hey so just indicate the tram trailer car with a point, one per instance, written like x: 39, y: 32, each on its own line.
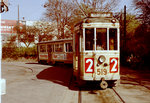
x: 55, y: 51
x: 96, y: 54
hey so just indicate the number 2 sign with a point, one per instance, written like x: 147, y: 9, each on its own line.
x: 89, y: 65
x: 113, y: 65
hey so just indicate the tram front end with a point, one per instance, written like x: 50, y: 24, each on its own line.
x: 97, y: 54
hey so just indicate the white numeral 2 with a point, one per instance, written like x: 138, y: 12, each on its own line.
x: 114, y: 69
x: 91, y: 64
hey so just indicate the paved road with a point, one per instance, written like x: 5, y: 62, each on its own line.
x: 36, y: 83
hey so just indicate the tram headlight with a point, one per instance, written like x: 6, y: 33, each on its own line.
x: 101, y: 59
x: 113, y: 20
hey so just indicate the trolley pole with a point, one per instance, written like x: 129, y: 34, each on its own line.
x: 125, y: 27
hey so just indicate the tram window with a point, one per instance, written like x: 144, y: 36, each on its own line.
x: 101, y: 39
x: 58, y: 47
x: 42, y: 48
x: 89, y: 39
x: 112, y: 39
x: 49, y: 48
x: 68, y: 47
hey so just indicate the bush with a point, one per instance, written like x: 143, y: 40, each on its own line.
x: 15, y: 52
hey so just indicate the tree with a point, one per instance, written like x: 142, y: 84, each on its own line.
x: 66, y: 12
x: 98, y: 5
x: 84, y: 7
x: 132, y: 23
x: 59, y: 11
x: 142, y: 47
x: 143, y: 7
x: 129, y: 42
x: 45, y: 30
x: 27, y: 34
x: 9, y: 48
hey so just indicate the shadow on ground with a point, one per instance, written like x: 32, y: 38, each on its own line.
x: 62, y: 74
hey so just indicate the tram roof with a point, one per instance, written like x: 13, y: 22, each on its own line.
x: 52, y: 41
x: 98, y: 19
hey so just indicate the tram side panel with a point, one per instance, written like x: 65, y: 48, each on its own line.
x: 49, y: 53
x: 64, y: 55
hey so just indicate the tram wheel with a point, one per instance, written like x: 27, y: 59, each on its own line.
x: 103, y: 84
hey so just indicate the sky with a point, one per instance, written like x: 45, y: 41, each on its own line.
x: 29, y: 9
x: 33, y: 10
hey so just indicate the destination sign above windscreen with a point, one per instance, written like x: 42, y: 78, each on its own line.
x: 101, y: 14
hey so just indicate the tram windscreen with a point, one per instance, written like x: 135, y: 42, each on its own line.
x: 89, y: 39
x: 112, y: 39
x: 101, y: 39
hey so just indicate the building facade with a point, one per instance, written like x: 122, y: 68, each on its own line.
x: 7, y: 30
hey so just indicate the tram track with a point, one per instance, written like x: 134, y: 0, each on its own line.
x: 79, y: 96
x: 118, y: 95
x: 110, y: 95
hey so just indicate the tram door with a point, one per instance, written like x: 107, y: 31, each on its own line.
x: 49, y: 50
x: 76, y: 53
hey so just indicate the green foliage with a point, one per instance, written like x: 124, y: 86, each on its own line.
x: 9, y: 52
x: 131, y: 25
x: 130, y: 43
x: 15, y: 52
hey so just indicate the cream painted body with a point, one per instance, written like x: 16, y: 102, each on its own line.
x: 79, y: 61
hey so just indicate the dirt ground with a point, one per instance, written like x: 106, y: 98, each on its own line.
x: 135, y: 77
x: 30, y: 82
x: 134, y: 85
x: 21, y: 59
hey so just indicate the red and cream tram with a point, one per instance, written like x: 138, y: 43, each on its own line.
x: 96, y: 54
x: 96, y: 49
